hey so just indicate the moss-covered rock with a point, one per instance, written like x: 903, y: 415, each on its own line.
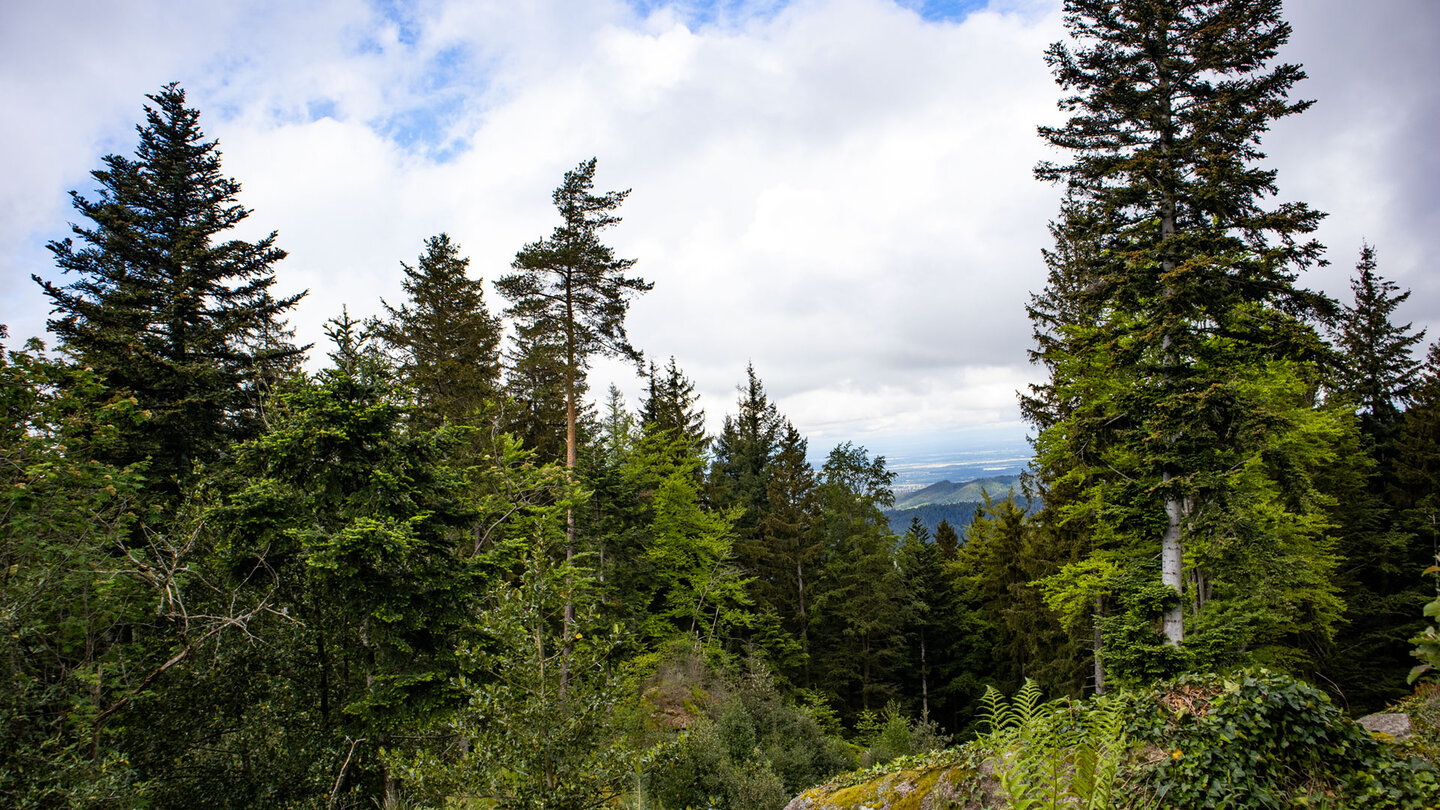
x: 957, y: 779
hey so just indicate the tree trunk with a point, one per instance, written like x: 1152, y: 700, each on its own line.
x: 571, y: 372
x: 1171, y: 551
x: 924, y: 680
x: 1098, y: 647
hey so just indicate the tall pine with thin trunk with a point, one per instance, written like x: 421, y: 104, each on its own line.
x: 569, y: 294
x: 164, y: 305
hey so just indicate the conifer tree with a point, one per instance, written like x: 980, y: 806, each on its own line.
x: 860, y: 609
x: 786, y: 548
x: 1377, y: 365
x: 1173, y: 326
x: 447, y: 343
x: 947, y: 540
x: 1381, y: 552
x: 536, y: 393
x: 930, y: 611
x: 164, y: 306
x: 743, y: 450
x: 671, y: 404
x: 569, y: 294
x: 1418, y: 465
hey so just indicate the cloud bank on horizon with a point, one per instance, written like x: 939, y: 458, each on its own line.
x: 838, y: 191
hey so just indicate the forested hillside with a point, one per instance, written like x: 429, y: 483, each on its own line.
x: 951, y: 504
x: 426, y: 565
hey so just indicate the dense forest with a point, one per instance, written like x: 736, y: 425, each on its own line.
x: 425, y: 565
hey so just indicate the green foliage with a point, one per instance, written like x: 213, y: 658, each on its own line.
x: 695, y: 586
x: 359, y: 527
x: 753, y: 749
x: 860, y: 608
x: 1009, y: 632
x: 67, y: 587
x: 1179, y: 415
x: 446, y: 343
x: 539, y: 725
x: 1427, y: 643
x: 671, y: 404
x: 1258, y: 739
x: 889, y: 735
x: 1054, y: 755
x: 164, y: 308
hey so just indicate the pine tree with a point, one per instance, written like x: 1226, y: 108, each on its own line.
x: 447, y: 343
x: 569, y: 294
x: 165, y: 308
x: 573, y: 291
x: 1172, y: 326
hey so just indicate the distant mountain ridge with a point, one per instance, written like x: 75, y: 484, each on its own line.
x: 951, y: 502
x: 947, y: 492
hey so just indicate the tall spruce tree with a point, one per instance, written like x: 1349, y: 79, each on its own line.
x: 1377, y: 356
x: 1192, y: 373
x: 787, y: 546
x: 1381, y: 551
x: 165, y: 307
x: 447, y: 342
x: 671, y: 404
x: 743, y: 451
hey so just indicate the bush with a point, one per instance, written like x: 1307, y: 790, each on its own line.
x: 751, y: 750
x: 1259, y: 739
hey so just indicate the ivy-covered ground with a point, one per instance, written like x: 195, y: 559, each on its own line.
x: 1253, y: 740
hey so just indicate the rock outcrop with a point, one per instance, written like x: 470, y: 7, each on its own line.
x: 952, y: 780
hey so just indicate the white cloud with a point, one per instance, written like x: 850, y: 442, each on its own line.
x: 836, y: 190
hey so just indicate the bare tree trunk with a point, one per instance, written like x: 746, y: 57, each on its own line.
x: 571, y: 411
x: 1098, y: 647
x: 924, y: 680
x: 1172, y: 560
x: 1171, y: 552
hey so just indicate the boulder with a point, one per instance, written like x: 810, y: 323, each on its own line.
x: 1395, y: 725
x: 942, y: 783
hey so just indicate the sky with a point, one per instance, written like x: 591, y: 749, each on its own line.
x: 838, y: 192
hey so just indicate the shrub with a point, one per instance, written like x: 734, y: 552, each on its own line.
x: 1259, y: 739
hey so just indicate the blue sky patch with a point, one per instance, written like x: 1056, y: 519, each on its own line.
x: 944, y: 10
